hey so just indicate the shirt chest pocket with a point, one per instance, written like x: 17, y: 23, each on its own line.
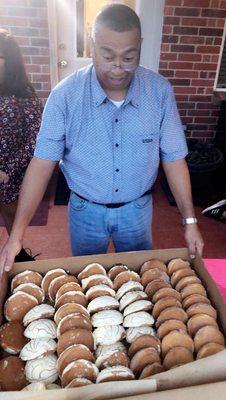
x: 148, y: 148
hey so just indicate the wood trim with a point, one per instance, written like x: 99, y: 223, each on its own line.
x: 52, y: 23
x: 215, y: 88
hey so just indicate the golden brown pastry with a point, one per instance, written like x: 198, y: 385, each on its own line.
x: 181, y: 273
x: 195, y: 288
x: 56, y: 283
x: 171, y: 325
x: 116, y: 269
x: 152, y: 274
x: 33, y: 290
x: 151, y: 369
x: 49, y: 276
x: 193, y: 299
x: 68, y: 287
x: 154, y: 263
x: 175, y: 338
x: 209, y: 349
x: 78, y: 369
x: 176, y: 264
x: 12, y: 376
x: 78, y: 382
x: 166, y: 292
x: 154, y: 286
x: 187, y: 280
x: 177, y: 356
x: 26, y: 277
x: 164, y: 303
x: 199, y: 321
x: 124, y: 277
x: 143, y: 342
x: 75, y: 336
x: 201, y: 308
x: 72, y: 297
x: 207, y: 334
x: 73, y: 321
x: 142, y: 358
x: 17, y: 306
x: 73, y: 353
x: 12, y: 338
x: 171, y: 313
x: 92, y: 269
x: 69, y: 308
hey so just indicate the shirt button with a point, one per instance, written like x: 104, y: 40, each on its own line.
x: 116, y: 190
x: 116, y: 119
x: 116, y: 145
x: 117, y: 170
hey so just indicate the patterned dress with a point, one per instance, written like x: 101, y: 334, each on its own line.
x: 19, y: 124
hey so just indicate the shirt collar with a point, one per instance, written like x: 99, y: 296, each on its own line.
x: 100, y: 97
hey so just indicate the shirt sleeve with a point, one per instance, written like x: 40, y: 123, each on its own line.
x: 50, y: 142
x: 173, y: 144
x: 18, y: 160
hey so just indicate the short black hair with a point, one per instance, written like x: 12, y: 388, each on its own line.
x: 15, y: 80
x: 118, y: 18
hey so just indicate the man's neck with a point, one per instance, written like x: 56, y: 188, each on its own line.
x: 116, y: 95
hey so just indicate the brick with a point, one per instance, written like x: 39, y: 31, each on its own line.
x: 163, y: 64
x: 210, y: 32
x: 208, y: 49
x: 44, y: 33
x: 37, y: 3
x: 33, y: 68
x: 174, y: 2
x: 217, y: 41
x: 171, y: 21
x: 169, y: 56
x: 213, y: 13
x: 192, y: 40
x: 184, y: 90
x: 179, y: 82
x: 214, y: 58
x: 37, y: 85
x: 205, y: 120
x: 203, y: 134
x: 190, y: 12
x: 202, y: 82
x: 165, y: 47
x: 182, y: 112
x: 167, y: 73
x: 22, y: 11
x: 38, y: 22
x: 185, y: 30
x: 180, y: 48
x: 209, y: 91
x: 198, y: 127
x: 211, y: 75
x: 40, y: 42
x: 195, y: 113
x: 206, y: 58
x: 27, y: 59
x: 189, y: 57
x: 180, y: 65
x: 168, y: 11
x: 204, y: 106
x: 29, y: 50
x: 45, y: 69
x: 13, y: 21
x: 40, y: 77
x: 211, y: 22
x: 205, y: 66
x: 220, y: 22
x: 200, y: 90
x: 196, y: 3
x: 203, y: 75
x: 19, y: 31
x: 185, y: 105
x: 186, y: 74
x: 169, y: 39
x: 204, y: 99
x: 43, y: 94
x: 181, y: 97
x: 44, y: 51
x: 194, y: 21
x: 40, y: 60
x: 46, y: 85
x: 223, y: 4
x: 187, y: 120
x: 209, y: 41
x: 167, y: 29
x: 215, y: 3
x: 23, y: 41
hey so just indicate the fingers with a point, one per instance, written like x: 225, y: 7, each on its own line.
x: 5, y: 263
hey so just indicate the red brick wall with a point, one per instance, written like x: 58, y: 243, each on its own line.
x: 27, y: 20
x: 191, y: 40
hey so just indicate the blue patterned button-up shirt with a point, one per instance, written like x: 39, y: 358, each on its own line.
x: 110, y: 154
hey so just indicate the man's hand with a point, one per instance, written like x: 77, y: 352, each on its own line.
x: 8, y: 254
x: 194, y: 240
x: 3, y: 177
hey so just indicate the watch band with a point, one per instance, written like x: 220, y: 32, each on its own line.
x: 188, y: 221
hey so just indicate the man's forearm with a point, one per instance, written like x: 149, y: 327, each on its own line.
x: 32, y: 190
x: 177, y: 175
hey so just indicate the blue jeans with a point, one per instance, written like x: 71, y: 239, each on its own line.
x: 92, y: 225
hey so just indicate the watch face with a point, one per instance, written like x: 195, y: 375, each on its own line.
x: 188, y: 221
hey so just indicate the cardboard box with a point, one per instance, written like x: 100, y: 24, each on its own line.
x: 211, y: 369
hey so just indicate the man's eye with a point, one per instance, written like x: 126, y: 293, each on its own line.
x: 128, y: 59
x: 107, y: 58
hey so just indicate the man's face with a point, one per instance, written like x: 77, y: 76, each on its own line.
x: 115, y: 57
x: 2, y: 67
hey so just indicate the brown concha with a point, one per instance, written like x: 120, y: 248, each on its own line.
x: 154, y: 263
x: 75, y: 336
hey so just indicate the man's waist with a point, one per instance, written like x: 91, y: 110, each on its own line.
x: 112, y: 205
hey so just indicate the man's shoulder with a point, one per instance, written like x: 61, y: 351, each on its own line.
x: 73, y: 82
x: 151, y: 78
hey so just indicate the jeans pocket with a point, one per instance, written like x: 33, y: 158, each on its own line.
x: 142, y: 201
x: 77, y: 203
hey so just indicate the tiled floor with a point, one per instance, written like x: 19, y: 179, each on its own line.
x: 52, y: 240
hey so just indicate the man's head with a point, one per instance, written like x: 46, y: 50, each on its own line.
x: 115, y: 46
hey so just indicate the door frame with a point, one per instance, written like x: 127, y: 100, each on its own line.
x: 151, y: 19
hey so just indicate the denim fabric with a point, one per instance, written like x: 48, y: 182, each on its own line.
x: 92, y: 225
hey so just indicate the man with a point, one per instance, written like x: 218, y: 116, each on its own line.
x: 109, y: 124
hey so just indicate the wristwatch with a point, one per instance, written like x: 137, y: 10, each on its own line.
x: 188, y: 221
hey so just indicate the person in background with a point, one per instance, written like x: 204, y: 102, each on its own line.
x: 20, y: 117
x: 109, y: 125
x: 216, y: 211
